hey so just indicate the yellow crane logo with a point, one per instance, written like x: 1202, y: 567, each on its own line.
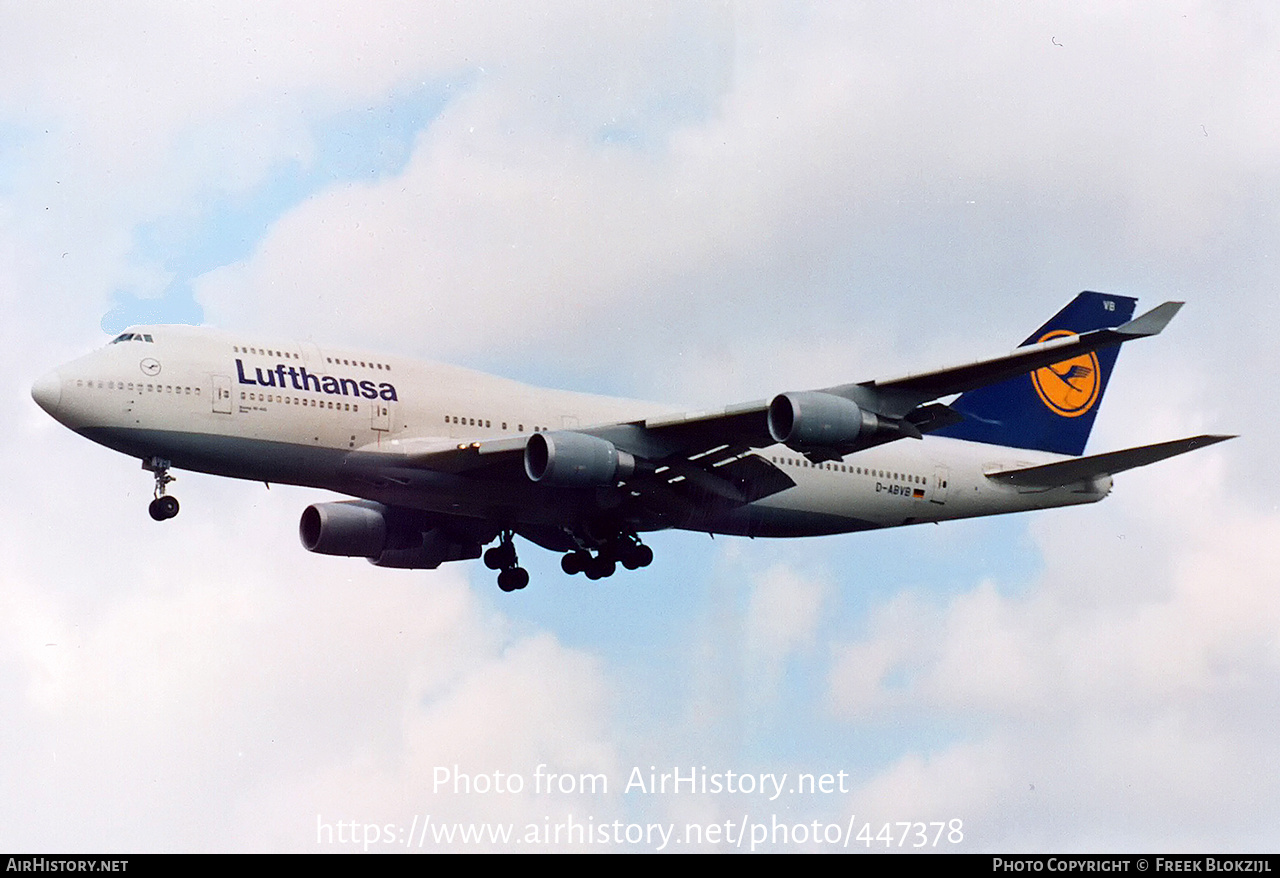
x: 1069, y: 388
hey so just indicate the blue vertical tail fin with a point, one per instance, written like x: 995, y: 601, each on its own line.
x: 1050, y: 409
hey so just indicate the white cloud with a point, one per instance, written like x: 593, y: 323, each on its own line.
x: 229, y: 690
x: 1105, y: 685
x: 783, y: 613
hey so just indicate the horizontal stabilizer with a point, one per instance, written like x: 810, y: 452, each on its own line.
x: 1069, y: 472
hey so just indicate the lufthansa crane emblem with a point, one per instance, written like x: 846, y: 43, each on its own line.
x: 1069, y: 388
x: 150, y: 367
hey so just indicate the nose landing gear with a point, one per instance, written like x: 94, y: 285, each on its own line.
x: 163, y: 507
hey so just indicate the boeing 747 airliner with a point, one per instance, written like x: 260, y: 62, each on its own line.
x: 446, y: 460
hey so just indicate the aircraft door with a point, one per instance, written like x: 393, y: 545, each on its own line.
x: 221, y: 395
x: 940, y: 480
x: 381, y: 415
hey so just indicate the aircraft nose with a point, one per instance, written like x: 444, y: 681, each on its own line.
x: 47, y: 392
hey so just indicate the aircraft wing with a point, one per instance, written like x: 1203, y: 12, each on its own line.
x: 712, y: 451
x: 901, y: 397
x: 898, y: 396
x: 1079, y: 469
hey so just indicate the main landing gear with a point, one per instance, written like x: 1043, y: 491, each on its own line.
x: 626, y: 550
x: 502, y: 557
x: 163, y: 507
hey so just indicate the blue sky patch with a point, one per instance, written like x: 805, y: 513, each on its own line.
x: 363, y: 144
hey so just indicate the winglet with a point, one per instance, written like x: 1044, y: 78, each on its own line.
x: 1153, y: 322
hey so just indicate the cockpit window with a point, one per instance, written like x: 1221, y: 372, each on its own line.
x: 131, y: 336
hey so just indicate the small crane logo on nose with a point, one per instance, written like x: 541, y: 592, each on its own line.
x: 150, y: 366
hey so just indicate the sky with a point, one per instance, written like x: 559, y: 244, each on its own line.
x: 702, y: 203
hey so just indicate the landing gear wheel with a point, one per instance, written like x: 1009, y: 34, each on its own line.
x: 500, y: 557
x: 600, y: 567
x: 513, y: 579
x: 631, y: 553
x: 643, y: 556
x: 631, y: 557
x: 574, y: 562
x: 163, y: 508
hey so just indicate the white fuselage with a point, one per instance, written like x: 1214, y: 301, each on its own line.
x: 353, y: 422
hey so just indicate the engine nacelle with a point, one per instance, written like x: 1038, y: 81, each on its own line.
x: 436, y: 548
x: 818, y: 420
x: 355, y: 528
x: 575, y: 460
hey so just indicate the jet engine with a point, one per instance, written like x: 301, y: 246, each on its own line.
x: 575, y: 460
x: 818, y: 420
x: 355, y: 528
x: 386, y: 536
